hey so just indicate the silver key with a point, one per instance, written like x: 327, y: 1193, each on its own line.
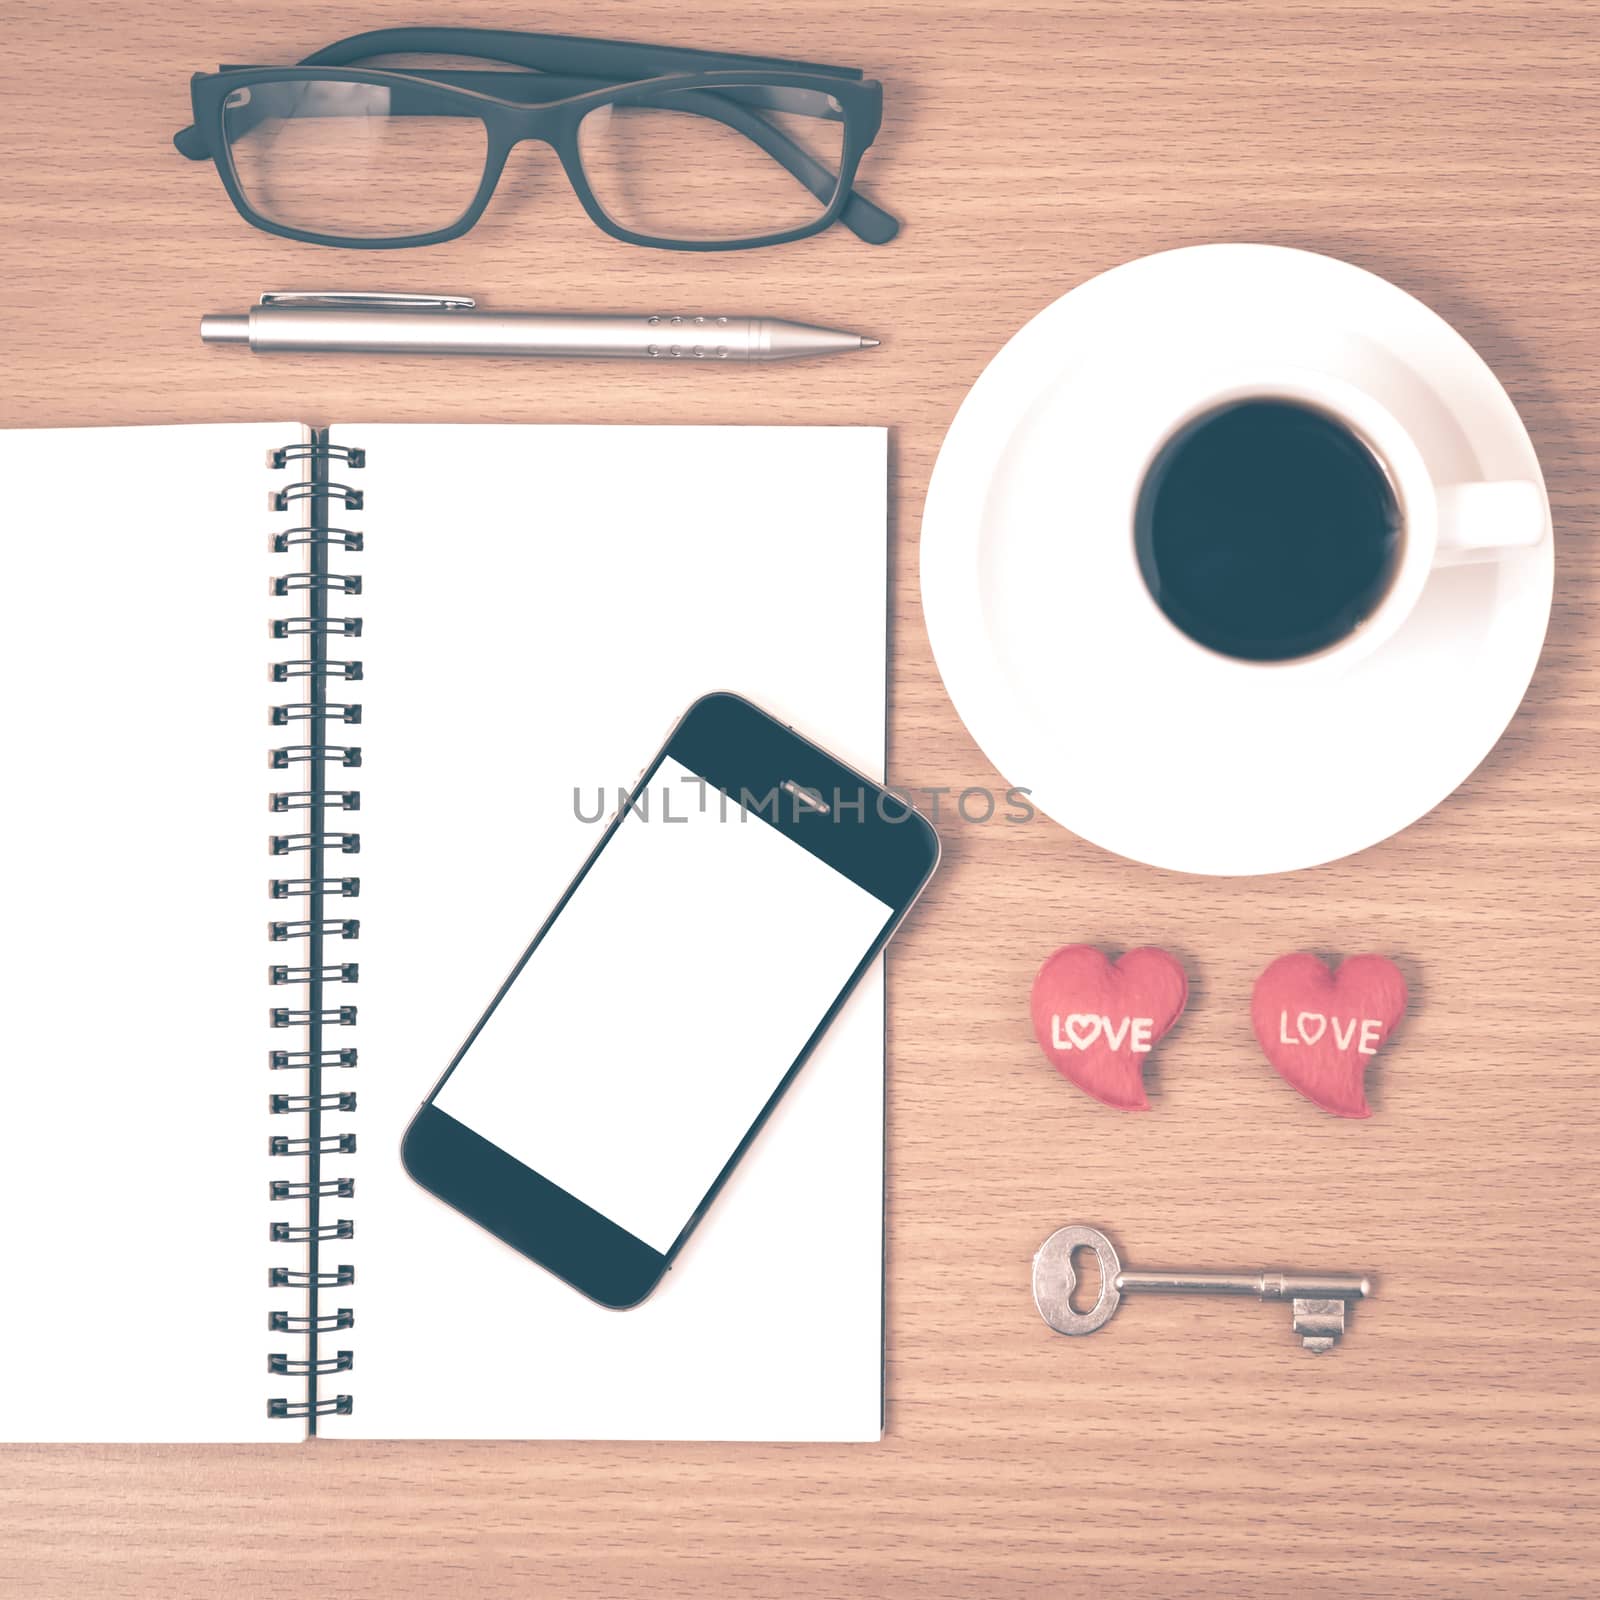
x: 1319, y: 1302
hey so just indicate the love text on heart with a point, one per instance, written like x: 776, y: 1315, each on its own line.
x: 1080, y: 1029
x: 1310, y: 1026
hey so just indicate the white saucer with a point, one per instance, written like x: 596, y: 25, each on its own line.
x: 1230, y: 778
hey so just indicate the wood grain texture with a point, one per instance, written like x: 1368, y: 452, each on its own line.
x: 1449, y: 1448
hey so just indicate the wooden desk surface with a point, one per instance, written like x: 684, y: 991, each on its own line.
x: 1449, y: 1448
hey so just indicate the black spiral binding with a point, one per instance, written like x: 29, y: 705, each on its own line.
x: 307, y: 1138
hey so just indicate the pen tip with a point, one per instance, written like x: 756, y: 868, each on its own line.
x: 869, y: 344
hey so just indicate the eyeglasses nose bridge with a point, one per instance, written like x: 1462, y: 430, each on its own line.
x: 533, y: 125
x: 532, y: 128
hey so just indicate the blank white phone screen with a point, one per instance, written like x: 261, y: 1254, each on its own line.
x: 664, y: 1005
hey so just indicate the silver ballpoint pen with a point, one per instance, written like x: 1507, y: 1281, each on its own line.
x: 415, y: 324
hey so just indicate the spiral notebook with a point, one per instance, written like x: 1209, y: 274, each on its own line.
x: 307, y: 729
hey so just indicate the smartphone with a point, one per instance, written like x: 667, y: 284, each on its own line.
x: 669, y: 999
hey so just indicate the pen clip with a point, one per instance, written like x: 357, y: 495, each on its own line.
x: 366, y: 297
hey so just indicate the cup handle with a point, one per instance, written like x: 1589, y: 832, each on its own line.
x: 1477, y: 521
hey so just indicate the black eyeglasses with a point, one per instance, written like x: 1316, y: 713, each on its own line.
x: 678, y: 149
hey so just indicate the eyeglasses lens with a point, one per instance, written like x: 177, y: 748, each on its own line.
x: 356, y: 160
x: 714, y: 165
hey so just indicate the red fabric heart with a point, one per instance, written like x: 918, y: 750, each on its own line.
x: 1097, y: 1022
x: 1321, y: 1028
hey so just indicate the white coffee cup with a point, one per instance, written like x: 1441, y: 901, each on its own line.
x: 1441, y: 524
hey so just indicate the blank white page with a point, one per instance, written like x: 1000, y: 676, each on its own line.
x: 540, y: 604
x: 133, y: 1166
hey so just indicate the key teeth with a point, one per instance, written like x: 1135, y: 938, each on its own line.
x: 1319, y: 1323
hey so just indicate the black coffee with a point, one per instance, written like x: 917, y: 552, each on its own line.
x: 1267, y: 530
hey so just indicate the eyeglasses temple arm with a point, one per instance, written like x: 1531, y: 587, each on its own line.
x: 606, y: 60
x: 612, y: 59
